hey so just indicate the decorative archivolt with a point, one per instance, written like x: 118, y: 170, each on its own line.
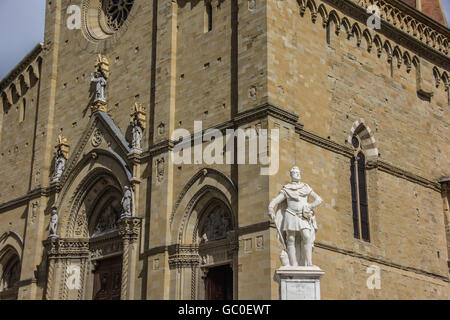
x: 78, y: 201
x: 383, y: 46
x: 12, y: 240
x: 10, y: 266
x: 206, y: 185
x: 11, y: 249
x: 368, y: 142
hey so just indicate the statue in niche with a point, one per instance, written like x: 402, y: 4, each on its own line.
x: 100, y: 79
x: 295, y: 220
x: 216, y: 225
x: 137, y: 122
x: 60, y: 163
x: 62, y: 154
x: 53, y: 224
x: 137, y: 136
x: 100, y: 85
x: 127, y: 202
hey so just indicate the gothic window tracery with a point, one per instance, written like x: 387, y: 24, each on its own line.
x: 117, y: 12
x: 103, y: 19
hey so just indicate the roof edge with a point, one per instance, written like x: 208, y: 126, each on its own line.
x: 21, y: 65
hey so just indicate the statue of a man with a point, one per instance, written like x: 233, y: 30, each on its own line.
x: 137, y: 135
x: 295, y: 219
x: 60, y: 163
x: 126, y: 202
x: 100, y: 84
x: 53, y: 224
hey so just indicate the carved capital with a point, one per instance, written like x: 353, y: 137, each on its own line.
x: 183, y: 256
x: 129, y: 228
x: 66, y: 248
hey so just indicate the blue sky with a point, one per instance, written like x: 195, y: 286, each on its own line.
x: 22, y: 27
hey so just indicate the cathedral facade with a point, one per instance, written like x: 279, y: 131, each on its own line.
x: 356, y: 90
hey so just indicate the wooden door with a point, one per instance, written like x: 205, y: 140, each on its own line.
x: 219, y: 283
x: 108, y: 279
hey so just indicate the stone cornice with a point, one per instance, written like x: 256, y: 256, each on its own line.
x: 187, y: 255
x: 21, y: 66
x: 263, y: 111
x: 381, y: 261
x: 256, y: 113
x: 404, y: 38
x: 31, y: 195
x: 324, y: 143
x: 398, y: 172
x: 418, y: 15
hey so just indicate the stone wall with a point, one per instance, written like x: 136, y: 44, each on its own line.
x: 276, y: 64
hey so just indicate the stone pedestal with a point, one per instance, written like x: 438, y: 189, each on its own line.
x: 299, y: 283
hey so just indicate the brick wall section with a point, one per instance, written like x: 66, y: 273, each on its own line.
x: 412, y: 3
x: 433, y: 9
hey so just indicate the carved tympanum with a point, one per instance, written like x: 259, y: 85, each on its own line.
x: 216, y: 225
x: 107, y: 221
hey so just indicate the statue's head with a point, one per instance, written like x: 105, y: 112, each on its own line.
x: 295, y: 174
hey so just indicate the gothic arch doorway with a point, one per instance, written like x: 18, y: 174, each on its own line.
x: 204, y: 225
x: 9, y: 274
x: 213, y: 235
x: 89, y: 261
x: 105, y: 246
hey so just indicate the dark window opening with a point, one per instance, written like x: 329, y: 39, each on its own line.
x: 208, y: 17
x: 358, y: 183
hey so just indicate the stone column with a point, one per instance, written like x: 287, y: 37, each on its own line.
x: 299, y: 283
x: 445, y: 188
x: 52, y: 251
x: 60, y: 254
x: 129, y: 230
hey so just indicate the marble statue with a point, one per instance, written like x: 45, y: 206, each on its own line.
x: 295, y: 220
x: 53, y: 224
x: 62, y: 154
x: 126, y: 202
x: 137, y: 136
x: 100, y: 85
x: 60, y: 163
x: 137, y: 122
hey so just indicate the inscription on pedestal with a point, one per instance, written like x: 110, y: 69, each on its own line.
x: 300, y: 290
x: 299, y: 283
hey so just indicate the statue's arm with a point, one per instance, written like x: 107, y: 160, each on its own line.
x: 317, y: 200
x: 276, y: 201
